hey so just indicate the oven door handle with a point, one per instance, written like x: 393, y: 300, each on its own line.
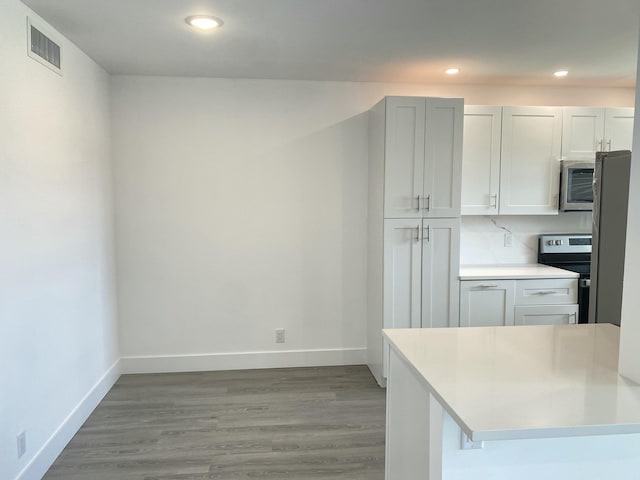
x: 585, y: 283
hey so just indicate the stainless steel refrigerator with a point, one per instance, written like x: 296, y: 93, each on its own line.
x: 610, y: 206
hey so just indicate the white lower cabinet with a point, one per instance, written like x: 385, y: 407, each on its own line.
x: 486, y: 303
x: 440, y: 265
x: 402, y: 269
x: 545, y: 314
x: 421, y: 264
x: 504, y: 302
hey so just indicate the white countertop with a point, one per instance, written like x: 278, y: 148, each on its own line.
x: 503, y: 383
x: 513, y: 272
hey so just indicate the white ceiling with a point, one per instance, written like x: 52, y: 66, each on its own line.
x: 492, y: 41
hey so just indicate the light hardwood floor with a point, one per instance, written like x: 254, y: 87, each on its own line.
x: 296, y: 423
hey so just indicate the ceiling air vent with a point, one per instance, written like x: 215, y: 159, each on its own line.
x: 43, y: 49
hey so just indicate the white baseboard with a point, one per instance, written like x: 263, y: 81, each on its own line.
x: 243, y: 360
x: 52, y: 448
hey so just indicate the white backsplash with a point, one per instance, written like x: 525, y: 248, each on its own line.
x: 483, y: 238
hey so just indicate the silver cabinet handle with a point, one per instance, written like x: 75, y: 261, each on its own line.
x: 417, y: 239
x: 544, y: 292
x: 488, y: 285
x: 608, y: 145
x: 599, y: 145
x: 573, y: 319
x: 428, y: 237
x: 427, y: 201
x: 493, y: 200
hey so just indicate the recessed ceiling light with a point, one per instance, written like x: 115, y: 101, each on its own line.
x: 203, y: 22
x: 452, y: 71
x: 561, y: 73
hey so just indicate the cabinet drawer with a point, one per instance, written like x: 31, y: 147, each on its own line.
x: 559, y: 291
x: 546, y: 315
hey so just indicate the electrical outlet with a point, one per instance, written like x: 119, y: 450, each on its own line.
x: 21, y: 440
x: 508, y: 239
x: 279, y: 335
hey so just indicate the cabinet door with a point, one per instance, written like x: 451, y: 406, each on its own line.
x: 529, y: 164
x: 546, y: 314
x: 440, y: 267
x: 404, y: 157
x: 618, y: 129
x: 443, y: 157
x: 402, y: 266
x: 481, y: 160
x: 486, y: 303
x: 582, y: 132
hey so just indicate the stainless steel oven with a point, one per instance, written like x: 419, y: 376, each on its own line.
x: 576, y: 185
x: 570, y: 252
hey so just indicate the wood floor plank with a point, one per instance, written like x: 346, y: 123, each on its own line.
x: 316, y: 423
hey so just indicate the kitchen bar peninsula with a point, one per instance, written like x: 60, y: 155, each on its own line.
x: 506, y: 403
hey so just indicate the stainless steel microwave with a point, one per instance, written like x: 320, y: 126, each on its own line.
x: 576, y: 185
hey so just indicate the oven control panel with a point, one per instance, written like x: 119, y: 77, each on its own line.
x: 565, y: 243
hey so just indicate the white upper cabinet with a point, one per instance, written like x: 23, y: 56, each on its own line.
x: 443, y: 157
x: 587, y: 130
x: 423, y: 157
x: 618, y: 129
x: 582, y: 132
x: 511, y: 155
x: 481, y: 160
x: 529, y: 166
x: 404, y: 157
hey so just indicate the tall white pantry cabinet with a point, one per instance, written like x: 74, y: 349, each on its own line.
x: 415, y: 163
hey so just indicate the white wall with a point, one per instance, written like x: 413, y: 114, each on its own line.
x: 630, y: 322
x: 58, y: 332
x: 241, y: 208
x: 482, y: 237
